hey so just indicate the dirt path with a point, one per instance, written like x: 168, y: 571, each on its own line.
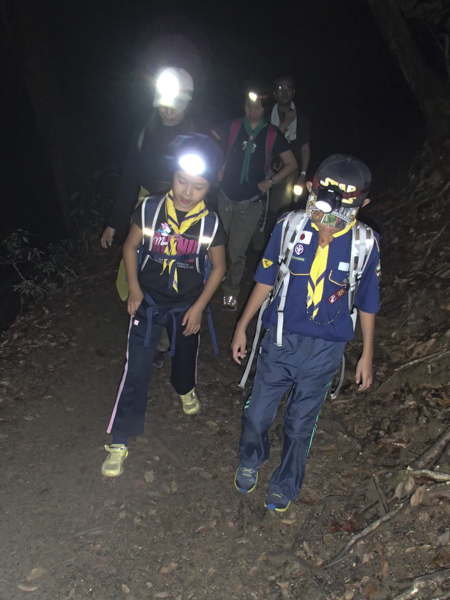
x: 173, y: 526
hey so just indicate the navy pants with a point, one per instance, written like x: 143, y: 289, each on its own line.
x: 306, y: 365
x: 128, y: 416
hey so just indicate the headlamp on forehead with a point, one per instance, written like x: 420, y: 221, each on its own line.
x: 328, y: 199
x: 192, y: 164
x: 253, y: 97
x: 168, y: 86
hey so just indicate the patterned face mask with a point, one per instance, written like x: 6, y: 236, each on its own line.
x: 338, y: 218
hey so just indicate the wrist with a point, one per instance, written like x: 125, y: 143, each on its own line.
x: 271, y: 180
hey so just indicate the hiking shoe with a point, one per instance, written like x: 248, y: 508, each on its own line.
x: 245, y: 479
x: 159, y: 359
x: 113, y: 465
x: 191, y: 405
x: 229, y: 303
x: 277, y: 502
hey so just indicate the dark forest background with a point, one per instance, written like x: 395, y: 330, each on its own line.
x: 76, y: 78
x: 103, y: 55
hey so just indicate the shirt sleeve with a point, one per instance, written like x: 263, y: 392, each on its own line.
x: 368, y: 294
x: 220, y: 237
x: 268, y: 267
x: 136, y: 217
x: 303, y: 130
x: 223, y: 131
x: 129, y: 186
x: 281, y: 144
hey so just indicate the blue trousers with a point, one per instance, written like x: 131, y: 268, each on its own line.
x: 128, y: 417
x: 307, y: 366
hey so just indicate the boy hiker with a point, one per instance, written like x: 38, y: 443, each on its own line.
x: 166, y: 258
x: 308, y: 320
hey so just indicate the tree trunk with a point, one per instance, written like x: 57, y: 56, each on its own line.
x: 432, y: 93
x: 31, y: 54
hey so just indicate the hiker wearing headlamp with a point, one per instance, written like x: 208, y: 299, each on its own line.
x: 319, y: 267
x: 251, y: 144
x: 175, y: 259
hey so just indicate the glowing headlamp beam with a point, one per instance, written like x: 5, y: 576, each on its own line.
x: 253, y: 97
x: 192, y: 164
x: 168, y: 85
x: 298, y: 190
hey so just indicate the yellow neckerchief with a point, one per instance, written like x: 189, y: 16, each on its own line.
x: 196, y: 214
x: 316, y: 280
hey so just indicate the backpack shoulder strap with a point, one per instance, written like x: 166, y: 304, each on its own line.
x: 208, y: 229
x: 362, y: 245
x: 234, y: 130
x: 270, y: 142
x: 141, y: 139
x: 150, y: 208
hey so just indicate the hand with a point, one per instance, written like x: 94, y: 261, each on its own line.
x: 134, y: 300
x: 238, y: 345
x: 192, y: 320
x: 364, y: 373
x: 107, y: 237
x: 264, y: 185
x: 289, y: 116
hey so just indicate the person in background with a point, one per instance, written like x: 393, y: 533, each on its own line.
x: 166, y: 254
x: 295, y: 126
x: 250, y: 145
x: 146, y: 171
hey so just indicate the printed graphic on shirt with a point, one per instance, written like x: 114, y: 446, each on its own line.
x: 344, y: 266
x: 266, y: 263
x: 334, y: 297
x: 299, y: 249
x: 184, y: 245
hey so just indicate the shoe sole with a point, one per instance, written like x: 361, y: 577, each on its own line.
x: 274, y: 508
x: 112, y: 474
x: 241, y: 489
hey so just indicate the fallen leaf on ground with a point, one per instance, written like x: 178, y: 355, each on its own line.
x: 125, y: 589
x: 417, y: 497
x: 27, y: 588
x: 35, y: 574
x: 443, y: 539
x: 149, y: 476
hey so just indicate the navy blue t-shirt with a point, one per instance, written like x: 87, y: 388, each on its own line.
x: 231, y: 185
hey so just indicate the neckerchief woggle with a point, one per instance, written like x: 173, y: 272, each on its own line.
x: 249, y: 148
x: 316, y: 277
x: 196, y: 214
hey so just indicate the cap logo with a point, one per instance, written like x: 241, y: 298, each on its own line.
x: 328, y: 181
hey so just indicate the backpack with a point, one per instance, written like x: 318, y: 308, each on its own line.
x: 150, y: 209
x: 270, y: 140
x: 293, y: 225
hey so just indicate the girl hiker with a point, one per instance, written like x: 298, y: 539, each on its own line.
x: 171, y: 243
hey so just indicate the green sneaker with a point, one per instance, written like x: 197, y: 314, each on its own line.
x: 191, y: 405
x: 113, y: 465
x: 277, y: 502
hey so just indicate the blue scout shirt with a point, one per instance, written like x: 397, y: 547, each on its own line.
x: 332, y: 322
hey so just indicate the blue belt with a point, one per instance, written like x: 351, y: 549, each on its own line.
x: 153, y: 312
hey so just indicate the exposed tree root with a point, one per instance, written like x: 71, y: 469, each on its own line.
x: 430, y: 456
x: 343, y: 554
x: 422, y: 586
x: 428, y: 358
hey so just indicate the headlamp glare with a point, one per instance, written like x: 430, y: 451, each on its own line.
x: 192, y: 164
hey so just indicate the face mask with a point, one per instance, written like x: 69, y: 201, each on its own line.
x: 339, y: 218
